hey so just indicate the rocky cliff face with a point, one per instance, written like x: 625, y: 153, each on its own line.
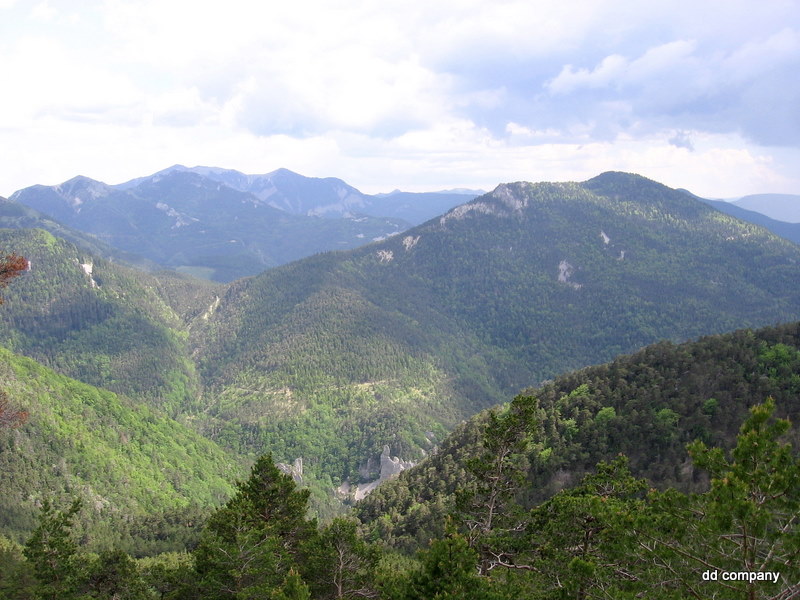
x: 389, y: 467
x: 295, y: 469
x: 392, y: 465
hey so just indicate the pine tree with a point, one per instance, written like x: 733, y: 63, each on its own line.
x: 487, y: 506
x: 449, y: 572
x: 115, y: 575
x: 293, y: 588
x: 339, y: 564
x: 748, y: 522
x: 250, y: 544
x: 579, y: 543
x: 51, y: 553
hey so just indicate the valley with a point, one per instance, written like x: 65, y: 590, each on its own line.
x: 151, y: 392
x: 494, y: 300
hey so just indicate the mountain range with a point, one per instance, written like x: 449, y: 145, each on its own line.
x: 326, y: 197
x: 333, y: 357
x: 222, y: 224
x: 781, y: 207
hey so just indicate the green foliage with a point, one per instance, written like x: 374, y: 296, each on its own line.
x: 13, y: 574
x: 579, y: 541
x: 293, y: 589
x: 487, y: 503
x: 708, y: 384
x: 339, y: 563
x: 169, y: 575
x: 605, y: 415
x: 448, y: 572
x: 250, y: 544
x: 610, y: 538
x: 780, y: 361
x: 335, y: 356
x: 115, y: 575
x: 710, y: 406
x: 142, y: 476
x: 51, y: 553
x: 746, y: 522
x: 110, y: 328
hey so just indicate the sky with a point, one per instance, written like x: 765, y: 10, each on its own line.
x: 418, y: 95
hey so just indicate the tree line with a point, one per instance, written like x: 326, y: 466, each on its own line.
x: 611, y: 536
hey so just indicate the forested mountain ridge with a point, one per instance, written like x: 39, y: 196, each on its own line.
x: 189, y: 222
x: 648, y: 406
x: 336, y: 356
x: 607, y: 535
x: 14, y: 215
x: 103, y: 323
x: 790, y: 231
x: 396, y: 342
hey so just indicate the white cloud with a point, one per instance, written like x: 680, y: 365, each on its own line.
x: 750, y: 89
x: 570, y: 79
x: 404, y: 94
x: 667, y: 69
x: 180, y: 107
x: 662, y: 58
x: 346, y: 91
x: 755, y: 57
x: 44, y: 11
x: 47, y: 80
